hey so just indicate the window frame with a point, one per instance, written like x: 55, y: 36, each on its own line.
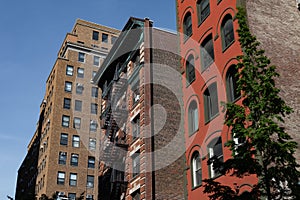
x: 94, y: 92
x: 78, y: 105
x: 79, y: 88
x: 66, y: 121
x: 187, y: 26
x: 193, y: 117
x: 75, y: 141
x: 91, y: 162
x: 61, y: 178
x: 68, y: 86
x: 207, y: 52
x: 196, y: 170
x: 135, y: 164
x: 201, y: 12
x: 232, y: 92
x: 211, y: 102
x: 104, y: 38
x: 93, y: 125
x: 77, y: 122
x: 94, y: 108
x: 64, y: 140
x: 81, y: 57
x: 224, y: 35
x: 80, y: 72
x: 190, y: 70
x: 90, y: 181
x: 67, y: 103
x: 211, y: 153
x: 96, y: 61
x: 74, y: 159
x: 69, y: 70
x: 92, y: 144
x: 95, y: 35
x: 62, y: 158
x: 72, y: 181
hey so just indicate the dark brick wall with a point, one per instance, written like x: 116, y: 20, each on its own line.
x: 167, y: 114
x: 276, y: 25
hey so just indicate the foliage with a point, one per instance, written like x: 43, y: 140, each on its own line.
x: 267, y: 149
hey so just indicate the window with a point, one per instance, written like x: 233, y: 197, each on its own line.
x: 215, y: 152
x: 61, y: 178
x: 95, y: 35
x: 136, y: 128
x: 135, y: 164
x: 136, y: 195
x: 193, y: 117
x: 63, y: 139
x: 105, y: 37
x: 187, y: 26
x: 80, y: 72
x: 94, y: 108
x: 78, y: 105
x: 96, y: 60
x: 75, y: 141
x: 91, y: 162
x: 79, y: 88
x: 113, y: 39
x: 211, y: 108
x: 67, y: 103
x: 92, y: 144
x: 62, y: 158
x: 81, y: 57
x: 231, y: 84
x: 89, y: 197
x: 190, y: 69
x: 136, y: 93
x: 196, y: 169
x: 227, y: 32
x: 65, y: 121
x: 203, y: 10
x: 73, y: 179
x: 69, y: 70
x: 74, y: 159
x: 90, y: 181
x: 68, y: 86
x: 94, y: 74
x: 72, y: 196
x: 207, y: 52
x: 77, y: 123
x: 94, y: 92
x: 93, y: 125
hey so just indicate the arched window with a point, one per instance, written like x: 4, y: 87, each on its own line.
x: 203, y: 10
x: 187, y: 25
x: 231, y: 84
x: 193, y: 117
x: 211, y: 103
x: 207, y: 52
x: 190, y: 69
x: 196, y: 169
x: 215, y: 152
x: 227, y: 31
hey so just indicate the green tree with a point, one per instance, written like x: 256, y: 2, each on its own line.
x: 266, y: 149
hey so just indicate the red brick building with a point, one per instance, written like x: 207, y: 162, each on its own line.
x: 138, y: 162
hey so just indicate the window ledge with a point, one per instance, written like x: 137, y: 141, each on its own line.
x: 191, y: 134
x: 196, y: 187
x: 212, y: 118
x: 190, y: 83
x: 227, y: 47
x: 202, y: 21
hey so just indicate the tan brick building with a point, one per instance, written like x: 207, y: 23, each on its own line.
x: 68, y: 140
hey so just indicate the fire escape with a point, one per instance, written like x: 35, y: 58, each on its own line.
x: 114, y: 147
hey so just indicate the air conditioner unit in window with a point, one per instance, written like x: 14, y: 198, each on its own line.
x: 137, y: 98
x: 89, y: 197
x: 298, y: 4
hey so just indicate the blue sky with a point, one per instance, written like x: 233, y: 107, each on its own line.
x: 30, y: 36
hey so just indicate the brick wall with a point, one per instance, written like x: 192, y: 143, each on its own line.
x: 276, y: 25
